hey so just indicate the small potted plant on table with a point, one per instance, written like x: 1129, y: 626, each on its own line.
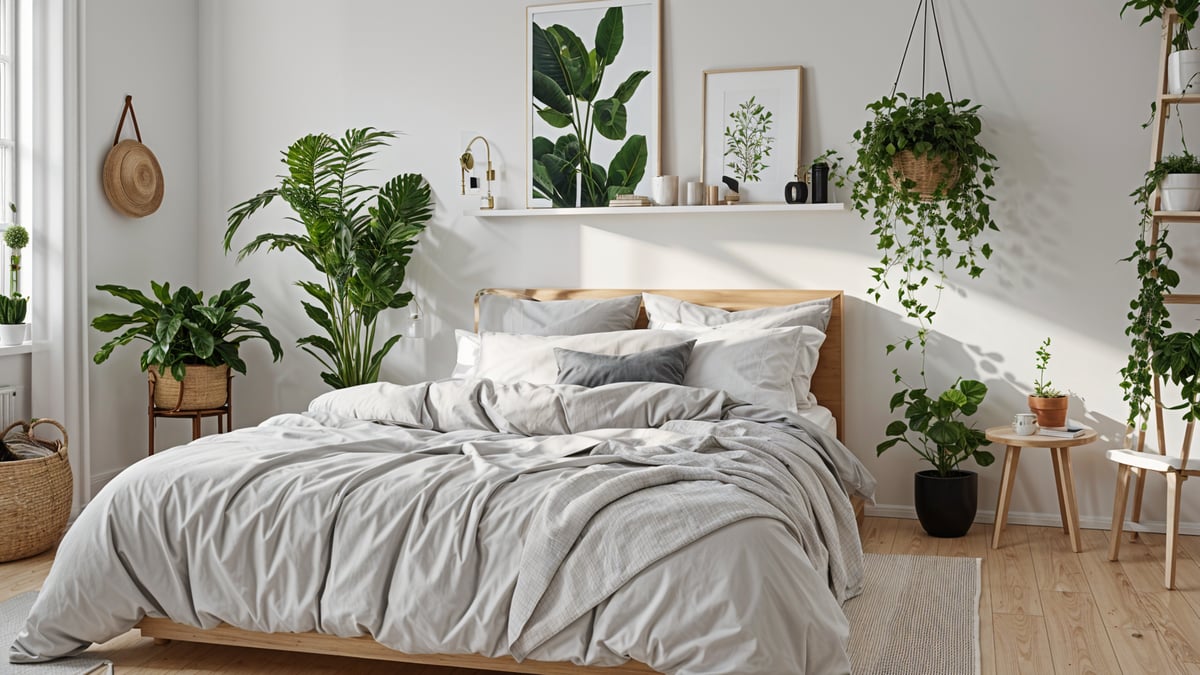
x: 945, y: 497
x: 1048, y: 403
x: 193, y: 343
x: 12, y: 320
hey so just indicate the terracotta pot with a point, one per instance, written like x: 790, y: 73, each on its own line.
x: 1051, y: 412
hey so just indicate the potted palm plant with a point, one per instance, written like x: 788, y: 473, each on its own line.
x: 946, y: 497
x: 1048, y: 403
x: 12, y: 320
x: 1183, y: 64
x: 358, y: 237
x: 193, y: 343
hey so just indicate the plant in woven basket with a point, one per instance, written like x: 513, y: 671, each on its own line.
x: 358, y: 237
x: 16, y: 238
x: 183, y: 329
x: 13, y: 309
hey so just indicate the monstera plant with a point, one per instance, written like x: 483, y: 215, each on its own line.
x: 570, y: 93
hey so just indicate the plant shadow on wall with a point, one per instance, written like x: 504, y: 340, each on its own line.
x: 360, y: 238
x: 567, y: 81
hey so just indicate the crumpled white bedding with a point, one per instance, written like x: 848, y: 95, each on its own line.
x: 667, y: 524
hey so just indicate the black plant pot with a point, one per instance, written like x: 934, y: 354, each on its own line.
x: 946, y: 504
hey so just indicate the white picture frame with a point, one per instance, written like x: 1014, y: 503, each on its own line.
x: 774, y: 94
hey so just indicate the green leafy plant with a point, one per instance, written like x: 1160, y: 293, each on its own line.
x: 939, y: 435
x: 183, y: 329
x: 747, y: 140
x: 360, y: 238
x: 1188, y: 10
x: 1177, y: 358
x: 12, y: 309
x: 1149, y: 319
x: 567, y: 80
x: 16, y: 238
x: 1042, y: 388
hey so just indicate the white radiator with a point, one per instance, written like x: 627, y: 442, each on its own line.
x: 11, y: 407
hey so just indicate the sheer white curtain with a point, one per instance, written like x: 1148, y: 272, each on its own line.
x: 49, y: 172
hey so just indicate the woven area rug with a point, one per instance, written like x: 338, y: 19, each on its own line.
x: 12, y: 617
x: 918, y: 615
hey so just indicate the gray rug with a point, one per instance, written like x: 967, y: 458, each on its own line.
x: 918, y: 615
x: 12, y: 618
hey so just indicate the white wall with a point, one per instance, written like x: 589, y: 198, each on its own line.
x: 148, y: 49
x: 1063, y: 109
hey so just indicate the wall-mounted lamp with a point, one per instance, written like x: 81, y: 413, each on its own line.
x: 467, y: 162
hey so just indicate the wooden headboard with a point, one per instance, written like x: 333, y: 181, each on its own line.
x: 828, y: 384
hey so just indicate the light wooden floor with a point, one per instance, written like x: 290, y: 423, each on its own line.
x: 1043, y: 609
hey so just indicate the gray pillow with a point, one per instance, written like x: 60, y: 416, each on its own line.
x: 501, y: 314
x: 665, y: 364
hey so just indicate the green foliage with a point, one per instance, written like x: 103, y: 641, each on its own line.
x: 566, y: 80
x: 182, y: 329
x: 938, y: 433
x: 1043, y: 388
x: 359, y: 237
x: 1177, y: 357
x: 1149, y: 319
x: 747, y: 140
x: 12, y: 309
x: 1188, y: 10
x: 16, y: 237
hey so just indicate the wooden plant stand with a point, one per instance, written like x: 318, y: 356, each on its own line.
x: 224, y: 414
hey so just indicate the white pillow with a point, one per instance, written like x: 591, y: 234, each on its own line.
x: 506, y: 357
x: 752, y: 365
x: 669, y: 313
x: 467, y: 343
x: 502, y: 314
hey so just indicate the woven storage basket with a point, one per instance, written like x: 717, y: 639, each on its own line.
x: 926, y: 171
x: 203, y: 388
x: 35, y: 494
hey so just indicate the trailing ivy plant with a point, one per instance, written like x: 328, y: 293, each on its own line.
x: 1177, y: 357
x: 359, y: 238
x: 1188, y: 10
x: 747, y: 140
x: 1149, y: 319
x: 919, y: 239
x: 567, y: 79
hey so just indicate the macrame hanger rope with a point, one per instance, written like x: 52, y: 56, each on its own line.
x: 924, y: 9
x: 128, y: 109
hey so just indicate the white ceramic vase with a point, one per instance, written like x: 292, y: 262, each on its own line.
x: 1183, y: 72
x: 1180, y: 192
x: 666, y: 190
x: 12, y: 334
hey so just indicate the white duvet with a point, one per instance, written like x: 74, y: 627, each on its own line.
x: 666, y: 524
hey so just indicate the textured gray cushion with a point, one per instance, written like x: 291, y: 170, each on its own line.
x: 665, y: 364
x: 500, y: 314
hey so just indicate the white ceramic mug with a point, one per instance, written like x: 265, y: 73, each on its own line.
x: 1024, y: 424
x: 695, y: 193
x: 666, y: 190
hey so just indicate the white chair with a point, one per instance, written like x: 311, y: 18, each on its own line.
x: 1174, y: 469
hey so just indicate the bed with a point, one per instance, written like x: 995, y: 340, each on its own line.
x: 544, y: 631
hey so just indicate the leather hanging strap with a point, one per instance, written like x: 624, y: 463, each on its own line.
x: 128, y: 110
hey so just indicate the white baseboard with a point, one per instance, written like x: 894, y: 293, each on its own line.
x: 1040, y: 519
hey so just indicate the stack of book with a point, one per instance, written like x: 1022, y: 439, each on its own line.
x: 630, y: 200
x: 1072, y: 430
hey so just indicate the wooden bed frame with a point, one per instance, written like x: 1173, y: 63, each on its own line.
x: 828, y: 386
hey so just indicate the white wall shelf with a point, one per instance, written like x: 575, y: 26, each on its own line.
x: 657, y: 210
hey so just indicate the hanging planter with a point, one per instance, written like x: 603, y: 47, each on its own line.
x: 927, y: 175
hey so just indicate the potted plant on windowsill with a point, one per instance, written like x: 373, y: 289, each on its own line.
x: 193, y: 343
x: 1048, y: 403
x: 12, y: 320
x: 1183, y: 64
x: 945, y: 497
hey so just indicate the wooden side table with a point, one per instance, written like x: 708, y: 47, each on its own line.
x: 1064, y: 480
x: 224, y: 414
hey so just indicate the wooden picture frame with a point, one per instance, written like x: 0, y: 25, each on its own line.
x: 762, y: 109
x: 620, y: 116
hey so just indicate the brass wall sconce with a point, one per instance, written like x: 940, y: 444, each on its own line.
x: 467, y: 162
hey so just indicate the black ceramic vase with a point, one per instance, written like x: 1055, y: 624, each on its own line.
x: 946, y: 504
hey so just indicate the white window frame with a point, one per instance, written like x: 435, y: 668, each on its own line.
x: 9, y: 106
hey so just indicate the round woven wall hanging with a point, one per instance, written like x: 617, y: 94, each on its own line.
x: 133, y: 180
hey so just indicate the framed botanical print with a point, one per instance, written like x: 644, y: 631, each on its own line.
x: 752, y: 129
x: 593, y: 72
